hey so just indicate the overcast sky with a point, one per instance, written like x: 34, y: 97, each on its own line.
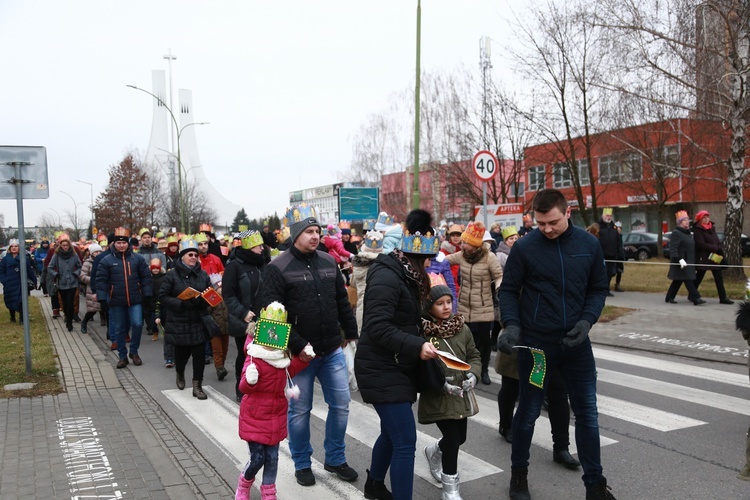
x: 285, y: 85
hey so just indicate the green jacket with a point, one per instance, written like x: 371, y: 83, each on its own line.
x: 441, y: 406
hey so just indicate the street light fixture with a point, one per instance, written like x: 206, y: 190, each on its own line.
x: 75, y: 213
x: 179, y: 159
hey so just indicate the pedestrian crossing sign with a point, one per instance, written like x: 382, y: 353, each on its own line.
x: 539, y: 370
x: 271, y: 333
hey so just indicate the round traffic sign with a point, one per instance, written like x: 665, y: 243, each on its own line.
x: 484, y: 165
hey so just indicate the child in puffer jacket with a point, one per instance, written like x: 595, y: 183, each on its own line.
x: 263, y: 411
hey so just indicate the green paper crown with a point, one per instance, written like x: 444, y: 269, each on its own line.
x: 275, y: 311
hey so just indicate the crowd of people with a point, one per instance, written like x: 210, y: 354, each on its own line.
x: 396, y: 311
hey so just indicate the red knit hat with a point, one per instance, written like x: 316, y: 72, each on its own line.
x: 700, y: 215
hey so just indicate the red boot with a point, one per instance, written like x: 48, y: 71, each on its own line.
x: 268, y: 492
x: 243, y: 488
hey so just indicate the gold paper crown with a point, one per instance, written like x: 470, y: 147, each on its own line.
x: 368, y: 224
x: 607, y: 211
x: 682, y: 214
x: 298, y: 213
x: 143, y: 230
x: 274, y: 311
x: 373, y: 240
x: 172, y: 239
x: 509, y: 231
x: 122, y: 232
x: 250, y: 239
x: 345, y: 225
x: 159, y: 235
x: 437, y: 279
x: 418, y: 244
x: 188, y: 243
x: 200, y: 237
x: 205, y: 227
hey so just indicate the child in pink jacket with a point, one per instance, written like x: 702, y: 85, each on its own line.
x: 265, y: 381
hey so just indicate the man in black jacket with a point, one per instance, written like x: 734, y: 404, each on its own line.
x: 308, y: 283
x: 554, y: 287
x: 611, y: 242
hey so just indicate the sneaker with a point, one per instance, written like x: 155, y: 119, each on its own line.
x: 169, y: 363
x: 305, y: 477
x: 599, y: 492
x: 155, y: 337
x: 343, y: 471
x: 519, y: 484
x: 208, y: 360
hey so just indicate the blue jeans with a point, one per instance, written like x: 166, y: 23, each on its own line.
x: 395, y: 448
x: 334, y: 379
x: 262, y: 455
x: 118, y: 321
x: 577, y: 367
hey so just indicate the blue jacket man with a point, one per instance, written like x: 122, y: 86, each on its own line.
x: 123, y: 281
x: 554, y: 287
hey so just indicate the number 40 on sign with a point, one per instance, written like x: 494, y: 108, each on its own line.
x: 484, y: 165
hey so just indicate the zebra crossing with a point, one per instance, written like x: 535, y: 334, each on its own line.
x: 217, y: 418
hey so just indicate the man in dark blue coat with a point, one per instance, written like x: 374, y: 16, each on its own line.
x: 123, y: 281
x: 554, y: 287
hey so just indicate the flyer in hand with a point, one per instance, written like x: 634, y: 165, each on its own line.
x: 212, y: 297
x: 188, y: 293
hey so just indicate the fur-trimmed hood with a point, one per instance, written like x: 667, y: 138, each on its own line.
x: 364, y: 258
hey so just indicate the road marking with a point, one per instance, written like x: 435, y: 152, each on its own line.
x: 675, y: 391
x: 368, y: 430
x: 673, y: 367
x: 217, y: 418
x: 644, y: 415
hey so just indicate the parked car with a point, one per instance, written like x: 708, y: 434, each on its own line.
x: 640, y: 246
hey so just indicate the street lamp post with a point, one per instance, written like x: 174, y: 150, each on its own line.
x: 75, y: 213
x: 179, y: 159
x: 93, y: 223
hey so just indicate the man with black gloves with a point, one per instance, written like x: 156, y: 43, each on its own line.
x: 308, y: 283
x: 553, y: 290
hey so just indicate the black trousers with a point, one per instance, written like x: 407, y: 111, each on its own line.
x: 558, y: 407
x: 68, y: 307
x: 481, y: 333
x: 454, y: 435
x: 181, y: 355
x: 239, y: 362
x: 718, y: 278
x: 693, y: 294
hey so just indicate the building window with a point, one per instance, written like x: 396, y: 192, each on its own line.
x: 536, y: 178
x: 516, y: 193
x: 665, y: 161
x: 622, y: 167
x: 583, y: 172
x: 561, y: 177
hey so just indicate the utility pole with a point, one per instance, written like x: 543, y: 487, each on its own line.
x: 415, y: 197
x: 485, y: 65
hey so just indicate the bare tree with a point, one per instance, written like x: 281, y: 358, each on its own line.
x: 702, y: 51
x: 122, y: 203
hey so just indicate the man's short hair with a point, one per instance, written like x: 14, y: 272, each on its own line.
x: 547, y: 199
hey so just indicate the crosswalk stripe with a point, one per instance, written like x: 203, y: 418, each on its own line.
x: 217, y: 418
x: 644, y: 415
x: 710, y: 374
x: 675, y: 391
x: 488, y: 417
x: 367, y: 430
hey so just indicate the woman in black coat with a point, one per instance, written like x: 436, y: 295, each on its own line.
x: 242, y: 288
x: 10, y: 277
x: 389, y: 352
x: 682, y: 258
x: 706, y: 243
x: 185, y: 328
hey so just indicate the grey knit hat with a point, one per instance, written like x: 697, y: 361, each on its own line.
x: 436, y: 292
x: 299, y: 227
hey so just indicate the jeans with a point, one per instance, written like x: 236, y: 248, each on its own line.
x: 330, y: 369
x: 577, y: 368
x: 118, y: 321
x: 395, y: 448
x: 262, y: 455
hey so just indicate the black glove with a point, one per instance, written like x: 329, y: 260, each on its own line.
x: 104, y: 305
x: 578, y: 334
x: 508, y: 338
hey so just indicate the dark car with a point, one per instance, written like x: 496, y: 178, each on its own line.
x: 640, y: 246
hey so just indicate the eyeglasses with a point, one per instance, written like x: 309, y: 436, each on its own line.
x: 191, y: 254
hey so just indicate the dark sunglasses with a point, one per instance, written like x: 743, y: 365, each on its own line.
x: 191, y: 254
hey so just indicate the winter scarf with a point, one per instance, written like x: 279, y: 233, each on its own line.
x: 442, y: 328
x: 474, y: 257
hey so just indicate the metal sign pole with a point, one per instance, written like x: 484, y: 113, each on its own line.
x: 484, y: 202
x: 18, y: 181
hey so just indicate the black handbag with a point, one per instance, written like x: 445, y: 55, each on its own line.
x: 211, y: 327
x: 430, y: 376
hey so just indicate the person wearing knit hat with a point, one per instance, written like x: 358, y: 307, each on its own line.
x: 389, y: 353
x: 682, y: 259
x: 372, y: 246
x: 475, y: 302
x: 310, y: 286
x: 451, y: 406
x: 709, y: 252
x: 92, y: 305
x: 450, y: 246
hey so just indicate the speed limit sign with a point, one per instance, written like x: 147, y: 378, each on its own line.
x: 484, y: 165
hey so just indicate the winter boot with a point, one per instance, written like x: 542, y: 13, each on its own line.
x: 102, y: 318
x: 55, y: 313
x: 243, y: 488
x: 180, y: 380
x: 221, y: 372
x: 519, y: 484
x: 599, y: 491
x: 376, y: 490
x: 12, y: 316
x: 198, y: 390
x: 450, y: 486
x: 434, y: 459
x: 486, y: 376
x: 745, y: 472
x: 268, y: 492
x: 86, y: 318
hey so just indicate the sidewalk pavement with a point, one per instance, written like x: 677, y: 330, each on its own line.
x: 104, y: 437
